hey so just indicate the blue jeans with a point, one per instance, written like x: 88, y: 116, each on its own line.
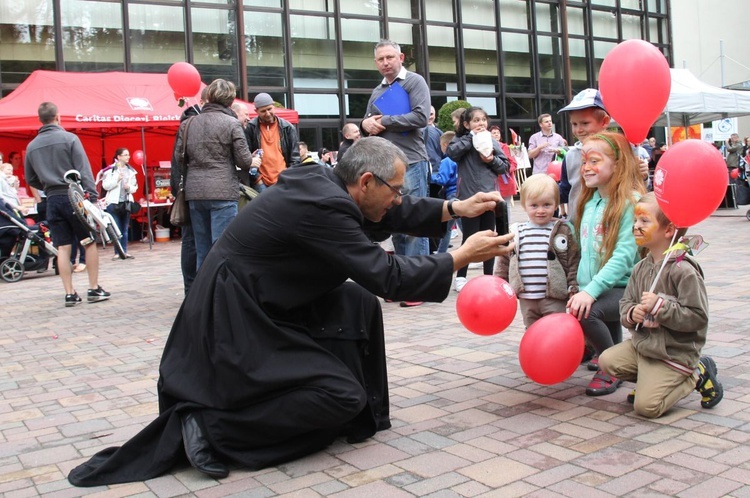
x: 123, y: 223
x: 209, y: 219
x: 415, y: 183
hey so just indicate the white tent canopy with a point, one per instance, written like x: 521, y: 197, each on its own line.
x: 692, y: 102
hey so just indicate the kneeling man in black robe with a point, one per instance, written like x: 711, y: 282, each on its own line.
x: 274, y: 352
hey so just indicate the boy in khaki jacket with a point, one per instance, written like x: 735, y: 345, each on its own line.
x: 668, y: 326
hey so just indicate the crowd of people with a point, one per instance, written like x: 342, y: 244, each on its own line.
x: 278, y: 347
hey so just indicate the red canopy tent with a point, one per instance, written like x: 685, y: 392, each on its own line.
x: 107, y: 111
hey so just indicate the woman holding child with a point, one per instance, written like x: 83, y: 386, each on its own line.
x: 480, y: 161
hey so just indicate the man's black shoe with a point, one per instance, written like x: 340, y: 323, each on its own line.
x: 98, y: 294
x: 198, y: 450
x: 72, y: 300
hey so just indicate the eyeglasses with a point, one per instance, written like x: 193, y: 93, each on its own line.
x: 397, y: 192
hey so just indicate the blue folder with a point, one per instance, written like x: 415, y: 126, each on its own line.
x: 393, y: 101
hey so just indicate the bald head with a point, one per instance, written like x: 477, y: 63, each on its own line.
x: 351, y: 132
x: 241, y: 111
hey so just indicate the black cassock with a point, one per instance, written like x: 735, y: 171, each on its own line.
x: 274, y: 350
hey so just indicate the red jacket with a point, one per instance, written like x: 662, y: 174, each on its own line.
x: 507, y: 181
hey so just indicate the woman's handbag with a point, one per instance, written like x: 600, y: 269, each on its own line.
x: 180, y: 214
x: 133, y: 207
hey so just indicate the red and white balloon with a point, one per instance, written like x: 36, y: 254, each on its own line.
x: 690, y: 182
x: 635, y: 82
x: 486, y: 305
x: 184, y: 79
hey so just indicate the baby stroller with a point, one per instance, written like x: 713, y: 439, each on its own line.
x: 23, y: 248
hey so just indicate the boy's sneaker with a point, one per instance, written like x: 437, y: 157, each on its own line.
x: 98, y: 294
x: 459, y: 283
x: 602, y: 384
x: 72, y: 299
x: 708, y: 385
x: 631, y: 397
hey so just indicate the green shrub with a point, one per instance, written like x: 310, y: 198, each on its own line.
x: 444, y: 121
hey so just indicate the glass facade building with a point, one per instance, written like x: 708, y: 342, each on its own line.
x: 515, y: 58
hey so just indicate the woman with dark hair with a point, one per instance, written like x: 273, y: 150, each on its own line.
x: 119, y: 180
x: 324, y: 157
x: 480, y: 162
x: 214, y: 144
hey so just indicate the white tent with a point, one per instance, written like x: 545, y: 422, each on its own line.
x: 692, y: 102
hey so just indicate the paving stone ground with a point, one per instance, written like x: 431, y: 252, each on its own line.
x: 466, y: 421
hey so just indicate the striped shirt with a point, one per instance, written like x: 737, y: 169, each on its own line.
x: 533, y: 247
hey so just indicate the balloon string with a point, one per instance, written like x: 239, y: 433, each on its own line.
x: 663, y: 264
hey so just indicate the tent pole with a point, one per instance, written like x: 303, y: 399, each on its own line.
x: 145, y: 189
x: 686, y: 125
x: 669, y: 130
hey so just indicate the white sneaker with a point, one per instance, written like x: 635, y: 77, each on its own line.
x: 454, y: 233
x: 476, y: 266
x: 459, y: 284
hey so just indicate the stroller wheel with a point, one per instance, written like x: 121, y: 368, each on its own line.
x: 11, y: 270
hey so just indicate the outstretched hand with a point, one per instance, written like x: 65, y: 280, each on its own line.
x: 475, y: 205
x: 482, y: 246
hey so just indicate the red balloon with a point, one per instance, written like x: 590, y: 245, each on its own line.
x: 735, y: 173
x: 550, y: 350
x: 137, y: 158
x: 635, y: 83
x: 486, y: 305
x: 184, y: 79
x: 554, y: 169
x: 690, y: 182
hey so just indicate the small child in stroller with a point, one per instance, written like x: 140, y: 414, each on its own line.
x: 22, y: 247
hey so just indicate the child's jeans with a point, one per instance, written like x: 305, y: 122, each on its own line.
x: 657, y: 386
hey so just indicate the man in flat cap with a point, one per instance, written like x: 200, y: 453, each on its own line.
x: 275, y: 137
